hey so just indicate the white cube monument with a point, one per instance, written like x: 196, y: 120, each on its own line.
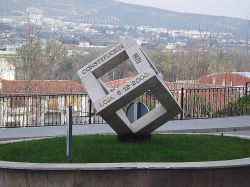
x: 109, y: 104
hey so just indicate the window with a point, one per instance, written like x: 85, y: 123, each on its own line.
x: 53, y: 103
x: 17, y: 102
x: 73, y: 100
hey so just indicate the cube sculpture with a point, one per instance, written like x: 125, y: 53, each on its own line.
x: 109, y: 104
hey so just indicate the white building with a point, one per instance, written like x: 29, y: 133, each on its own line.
x: 7, y: 70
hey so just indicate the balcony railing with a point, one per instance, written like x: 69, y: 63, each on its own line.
x: 48, y: 110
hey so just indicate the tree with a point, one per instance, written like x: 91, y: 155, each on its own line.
x: 39, y: 60
x: 166, y: 64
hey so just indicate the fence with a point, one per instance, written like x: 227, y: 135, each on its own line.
x: 44, y: 110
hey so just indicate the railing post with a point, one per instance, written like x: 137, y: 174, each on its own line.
x: 246, y: 88
x: 90, y: 110
x: 246, y: 94
x: 182, y: 103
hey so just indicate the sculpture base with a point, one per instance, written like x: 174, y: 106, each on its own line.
x: 134, y: 138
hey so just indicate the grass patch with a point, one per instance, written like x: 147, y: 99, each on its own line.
x: 105, y: 148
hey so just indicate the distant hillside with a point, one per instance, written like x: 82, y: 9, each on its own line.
x: 112, y: 12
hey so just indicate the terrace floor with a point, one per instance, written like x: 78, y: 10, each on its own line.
x: 239, y: 126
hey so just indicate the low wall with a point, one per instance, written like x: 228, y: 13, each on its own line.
x: 232, y: 173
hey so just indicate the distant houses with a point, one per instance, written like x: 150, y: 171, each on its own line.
x: 32, y: 87
x: 215, y: 80
x: 225, y: 79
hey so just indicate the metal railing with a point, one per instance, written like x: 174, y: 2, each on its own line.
x: 46, y: 110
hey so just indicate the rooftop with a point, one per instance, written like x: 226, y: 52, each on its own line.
x: 40, y: 87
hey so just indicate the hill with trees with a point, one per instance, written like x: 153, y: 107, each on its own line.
x: 117, y: 13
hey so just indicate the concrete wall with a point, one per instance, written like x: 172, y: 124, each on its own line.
x: 198, y: 174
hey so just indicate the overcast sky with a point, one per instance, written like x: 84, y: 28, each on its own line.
x: 231, y: 8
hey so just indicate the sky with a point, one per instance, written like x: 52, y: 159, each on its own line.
x: 229, y: 8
